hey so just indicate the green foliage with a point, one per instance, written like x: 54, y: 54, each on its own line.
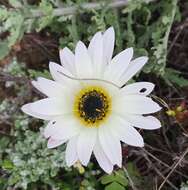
x: 4, y: 49
x: 16, y: 3
x: 3, y: 14
x: 19, y: 70
x: 4, y: 141
x: 30, y: 160
x: 148, y: 37
x: 15, y: 68
x: 34, y: 74
x: 113, y: 186
x: 7, y: 165
x: 13, y: 23
x: 172, y: 76
x: 116, y: 180
x: 161, y: 38
x: 46, y: 7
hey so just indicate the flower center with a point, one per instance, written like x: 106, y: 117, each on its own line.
x: 92, y: 106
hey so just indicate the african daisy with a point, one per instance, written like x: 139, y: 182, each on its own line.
x: 88, y: 105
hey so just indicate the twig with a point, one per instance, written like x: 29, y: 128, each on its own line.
x: 163, y: 163
x: 158, y: 171
x: 174, y: 40
x: 5, y: 134
x: 73, y: 9
x: 155, y: 183
x: 87, y: 6
x: 156, y: 149
x: 129, y: 178
x: 7, y: 77
x: 173, y: 169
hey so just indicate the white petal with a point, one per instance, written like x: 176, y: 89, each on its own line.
x: 118, y: 66
x: 108, y: 41
x: 62, y: 75
x: 36, y: 85
x: 139, y: 88
x: 52, y: 143
x: 83, y: 61
x: 48, y: 129
x: 133, y: 68
x: 27, y: 109
x: 50, y: 88
x: 50, y: 107
x: 144, y: 122
x: 130, y: 135
x: 110, y: 145
x: 102, y: 159
x: 68, y: 60
x: 125, y: 132
x: 86, y: 142
x: 62, y: 128
x: 109, y: 87
x: 135, y: 104
x: 95, y: 50
x: 56, y: 71
x: 71, y: 152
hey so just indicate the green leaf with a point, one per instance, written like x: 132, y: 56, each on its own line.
x: 15, y: 3
x: 7, y: 164
x: 4, y: 49
x: 35, y: 74
x: 120, y: 178
x: 3, y: 142
x: 114, y: 186
x: 132, y: 5
x: 46, y: 7
x: 3, y: 13
x: 107, y: 179
x: 3, y: 183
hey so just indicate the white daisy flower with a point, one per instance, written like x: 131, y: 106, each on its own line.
x: 86, y: 106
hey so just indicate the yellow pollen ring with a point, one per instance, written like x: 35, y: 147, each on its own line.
x: 99, y: 114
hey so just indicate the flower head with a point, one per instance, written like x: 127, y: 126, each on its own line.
x: 87, y: 106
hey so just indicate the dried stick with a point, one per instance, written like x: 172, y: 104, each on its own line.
x: 159, y: 172
x: 169, y: 174
x: 163, y: 163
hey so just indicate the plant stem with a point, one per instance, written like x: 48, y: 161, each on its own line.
x: 129, y: 178
x: 61, y: 11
